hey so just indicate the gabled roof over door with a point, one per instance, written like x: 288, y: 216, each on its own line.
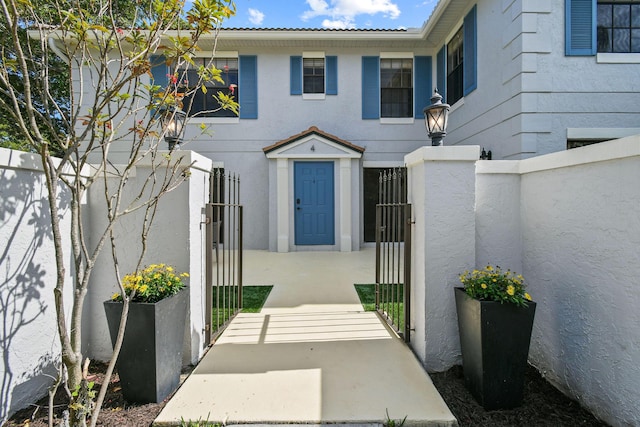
x: 313, y: 143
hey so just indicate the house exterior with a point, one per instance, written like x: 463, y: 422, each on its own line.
x: 523, y: 78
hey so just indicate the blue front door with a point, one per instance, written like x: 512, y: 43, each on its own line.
x: 314, y: 204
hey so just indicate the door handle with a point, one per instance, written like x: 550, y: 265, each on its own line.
x: 297, y: 201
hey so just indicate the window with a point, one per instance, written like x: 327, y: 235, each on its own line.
x: 313, y: 75
x: 457, y: 61
x: 396, y: 87
x: 203, y: 103
x: 378, y: 101
x: 618, y: 27
x: 455, y: 67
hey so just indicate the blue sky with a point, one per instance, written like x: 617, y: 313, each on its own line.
x: 361, y: 14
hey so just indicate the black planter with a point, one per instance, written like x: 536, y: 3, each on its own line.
x: 494, y: 339
x: 150, y: 359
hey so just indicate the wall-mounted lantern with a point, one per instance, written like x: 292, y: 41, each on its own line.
x: 172, y: 121
x: 435, y: 118
x: 485, y: 155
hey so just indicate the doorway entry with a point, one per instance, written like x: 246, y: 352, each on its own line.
x: 314, y: 203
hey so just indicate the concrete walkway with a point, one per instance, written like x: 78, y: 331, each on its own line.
x: 312, y: 356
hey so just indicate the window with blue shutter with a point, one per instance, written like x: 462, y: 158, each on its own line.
x: 580, y: 27
x: 457, y: 61
x: 470, y: 52
x: 422, y: 85
x: 370, y: 87
x: 313, y: 75
x: 248, y: 81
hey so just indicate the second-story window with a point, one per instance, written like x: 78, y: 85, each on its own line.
x: 396, y: 87
x: 455, y: 67
x: 203, y: 103
x: 313, y: 75
x: 619, y: 27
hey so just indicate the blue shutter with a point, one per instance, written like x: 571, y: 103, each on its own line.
x: 370, y: 87
x: 580, y: 27
x: 470, y: 53
x: 248, y: 86
x: 159, y: 70
x: 331, y: 71
x: 441, y: 69
x: 296, y: 75
x: 422, y: 88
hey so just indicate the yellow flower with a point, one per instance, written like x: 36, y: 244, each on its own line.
x: 184, y: 275
x: 143, y: 288
x: 527, y: 296
x: 511, y: 290
x: 169, y: 269
x: 489, y: 268
x: 115, y: 296
x: 484, y: 286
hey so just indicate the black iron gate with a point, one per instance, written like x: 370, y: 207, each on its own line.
x: 393, y: 251
x: 224, y: 252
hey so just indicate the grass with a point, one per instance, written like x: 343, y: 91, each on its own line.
x: 394, y: 310
x: 253, y: 299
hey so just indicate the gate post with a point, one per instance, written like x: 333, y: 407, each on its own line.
x: 442, y: 193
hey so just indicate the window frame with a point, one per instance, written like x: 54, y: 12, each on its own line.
x: 221, y: 116
x: 612, y: 26
x: 467, y: 28
x: 410, y: 106
x: 455, y: 67
x: 314, y: 56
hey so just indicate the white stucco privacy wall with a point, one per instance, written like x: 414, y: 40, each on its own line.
x: 28, y: 337
x: 581, y: 257
x: 176, y: 238
x: 442, y: 193
x: 569, y: 221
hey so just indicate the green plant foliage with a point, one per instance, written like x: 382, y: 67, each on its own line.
x: 394, y: 305
x: 198, y: 423
x: 156, y: 282
x: 493, y: 284
x: 393, y: 423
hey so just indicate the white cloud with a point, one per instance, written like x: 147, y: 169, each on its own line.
x: 256, y: 17
x: 338, y: 24
x: 343, y: 12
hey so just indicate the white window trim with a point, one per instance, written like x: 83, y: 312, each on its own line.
x: 397, y: 120
x: 314, y: 96
x: 400, y: 120
x: 586, y: 134
x: 618, y: 58
x: 213, y: 120
x: 396, y: 55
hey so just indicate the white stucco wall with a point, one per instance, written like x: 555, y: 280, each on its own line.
x: 442, y: 194
x: 581, y: 240
x: 498, y: 233
x: 177, y: 238
x: 28, y: 336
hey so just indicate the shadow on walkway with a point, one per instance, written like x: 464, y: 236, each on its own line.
x: 311, y: 356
